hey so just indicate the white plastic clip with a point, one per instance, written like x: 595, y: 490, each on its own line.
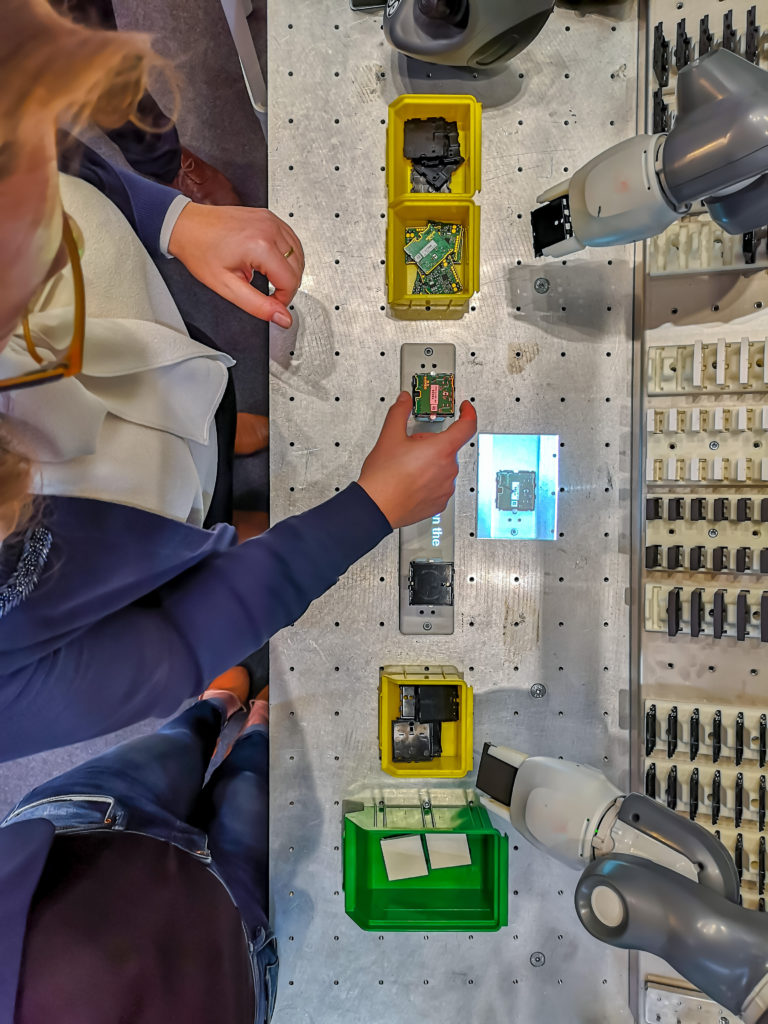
x: 698, y: 361
x: 744, y: 361
x: 720, y: 362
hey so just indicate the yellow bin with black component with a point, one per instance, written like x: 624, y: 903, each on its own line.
x: 457, y: 756
x: 414, y: 209
x: 466, y: 111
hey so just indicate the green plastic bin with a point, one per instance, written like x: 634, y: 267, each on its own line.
x: 471, y: 898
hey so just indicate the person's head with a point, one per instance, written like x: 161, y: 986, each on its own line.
x: 52, y: 73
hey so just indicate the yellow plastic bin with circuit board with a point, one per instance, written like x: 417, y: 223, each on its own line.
x: 411, y: 213
x: 401, y: 275
x: 456, y: 757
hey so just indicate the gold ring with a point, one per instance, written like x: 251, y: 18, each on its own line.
x: 289, y: 253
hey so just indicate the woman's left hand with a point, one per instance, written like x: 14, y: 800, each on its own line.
x: 222, y: 246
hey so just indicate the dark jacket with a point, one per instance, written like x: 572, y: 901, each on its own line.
x: 110, y: 614
x: 134, y: 613
x: 113, y: 614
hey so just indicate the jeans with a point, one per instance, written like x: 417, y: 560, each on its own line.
x: 156, y: 785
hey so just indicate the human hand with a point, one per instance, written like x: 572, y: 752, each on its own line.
x: 412, y: 478
x: 223, y: 245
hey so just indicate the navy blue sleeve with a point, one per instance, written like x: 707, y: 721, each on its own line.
x: 144, y: 661
x: 143, y: 203
x: 149, y: 202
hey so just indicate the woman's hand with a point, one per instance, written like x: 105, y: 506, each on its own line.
x: 222, y: 246
x: 412, y: 478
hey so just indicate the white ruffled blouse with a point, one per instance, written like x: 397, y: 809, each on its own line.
x: 136, y: 426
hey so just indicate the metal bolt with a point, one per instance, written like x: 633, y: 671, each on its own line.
x: 537, y: 959
x: 541, y: 285
x: 428, y: 351
x: 714, y: 445
x: 426, y: 625
x: 538, y: 690
x: 723, y: 1020
x: 712, y: 533
x: 425, y: 804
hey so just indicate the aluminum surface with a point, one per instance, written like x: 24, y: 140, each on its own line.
x: 416, y: 541
x: 666, y: 1005
x: 551, y: 612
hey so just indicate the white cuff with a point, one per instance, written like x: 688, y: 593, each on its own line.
x: 169, y: 223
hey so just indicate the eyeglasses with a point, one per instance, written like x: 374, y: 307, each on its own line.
x: 72, y: 361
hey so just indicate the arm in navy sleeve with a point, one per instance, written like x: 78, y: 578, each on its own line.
x: 149, y: 201
x: 141, y: 662
x: 143, y: 203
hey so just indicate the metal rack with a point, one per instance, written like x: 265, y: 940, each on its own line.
x: 699, y: 414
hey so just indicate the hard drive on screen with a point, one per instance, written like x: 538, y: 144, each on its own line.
x: 515, y: 492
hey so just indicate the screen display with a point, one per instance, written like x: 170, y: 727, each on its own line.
x: 517, y: 486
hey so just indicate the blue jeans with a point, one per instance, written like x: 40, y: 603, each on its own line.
x: 156, y: 785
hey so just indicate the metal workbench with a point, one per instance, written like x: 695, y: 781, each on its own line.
x: 526, y: 613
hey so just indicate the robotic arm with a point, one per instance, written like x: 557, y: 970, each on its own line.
x: 718, y: 946
x: 464, y: 33
x: 716, y: 152
x: 650, y: 880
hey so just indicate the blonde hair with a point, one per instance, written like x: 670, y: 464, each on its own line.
x: 54, y: 72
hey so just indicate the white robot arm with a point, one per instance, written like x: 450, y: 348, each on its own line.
x: 573, y: 813
x: 651, y: 879
x: 716, y: 152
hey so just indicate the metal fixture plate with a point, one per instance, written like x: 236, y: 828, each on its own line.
x: 534, y: 363
x: 429, y: 539
x: 665, y: 1004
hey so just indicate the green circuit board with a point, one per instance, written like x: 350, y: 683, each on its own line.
x: 428, y: 249
x: 437, y: 250
x: 433, y: 395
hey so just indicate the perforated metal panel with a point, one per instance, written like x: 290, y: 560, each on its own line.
x: 528, y: 613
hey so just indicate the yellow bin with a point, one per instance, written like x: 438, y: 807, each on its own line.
x: 408, y: 213
x: 414, y: 209
x: 465, y: 111
x: 457, y: 756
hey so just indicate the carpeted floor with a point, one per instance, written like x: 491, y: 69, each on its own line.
x: 217, y: 121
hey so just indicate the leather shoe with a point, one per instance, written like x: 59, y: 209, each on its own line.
x: 252, y: 433
x: 204, y: 183
x: 249, y: 523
